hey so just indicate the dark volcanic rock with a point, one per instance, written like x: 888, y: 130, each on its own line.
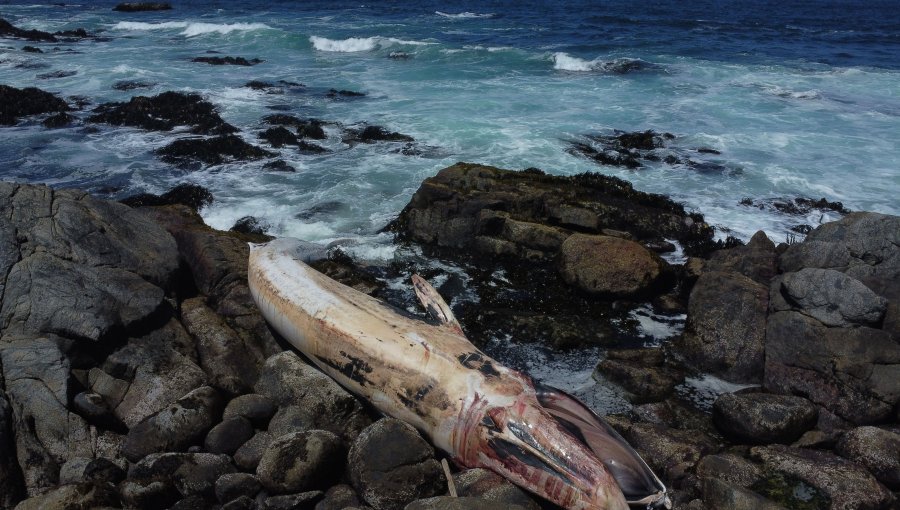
x: 229, y: 435
x: 391, y: 465
x: 247, y: 457
x: 255, y: 407
x: 8, y: 30
x: 372, y: 134
x: 287, y: 380
x: 12, y: 487
x: 142, y: 6
x: 231, y: 61
x: 163, y: 112
x: 77, y: 266
x: 192, y: 195
x: 59, y: 120
x: 467, y: 206
x: 763, y: 418
x: 31, y: 49
x: 125, y: 85
x: 301, y: 461
x: 56, y: 74
x: 211, y: 151
x: 279, y: 137
x: 609, y: 265
x: 800, y: 206
x: 491, y: 487
x: 339, y: 497
x: 343, y: 94
x: 82, y: 495
x: 15, y: 103
x: 231, y: 486
x: 176, y: 427
x: 229, y: 365
x: 279, y: 165
x: 876, y: 449
x: 302, y: 501
x: 847, y: 485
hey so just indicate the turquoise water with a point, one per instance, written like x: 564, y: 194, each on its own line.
x: 801, y: 101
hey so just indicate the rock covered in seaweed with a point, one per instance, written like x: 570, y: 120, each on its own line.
x: 163, y: 112
x: 16, y: 103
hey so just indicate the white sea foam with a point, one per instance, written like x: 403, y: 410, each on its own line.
x: 191, y: 29
x: 786, y: 93
x: 562, y: 61
x: 358, y: 44
x: 464, y: 15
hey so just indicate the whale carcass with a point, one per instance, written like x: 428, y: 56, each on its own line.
x: 430, y: 376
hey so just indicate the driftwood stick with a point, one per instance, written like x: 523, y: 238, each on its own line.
x: 450, y: 484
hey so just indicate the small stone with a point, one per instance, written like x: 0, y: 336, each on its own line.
x: 339, y: 497
x: 302, y: 501
x: 301, y: 461
x: 247, y: 457
x: 231, y: 486
x: 241, y: 503
x: 255, y: 407
x: 229, y: 435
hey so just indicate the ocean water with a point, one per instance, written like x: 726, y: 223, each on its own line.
x: 800, y: 98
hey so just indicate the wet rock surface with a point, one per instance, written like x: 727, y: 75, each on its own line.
x: 231, y: 61
x: 762, y: 418
x: 163, y: 112
x: 188, y: 152
x: 142, y: 6
x: 301, y: 461
x: 16, y: 103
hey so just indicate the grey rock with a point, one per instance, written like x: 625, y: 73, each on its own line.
x: 391, y: 465
x: 66, y: 497
x: 756, y: 260
x: 726, y: 327
x: 640, y: 373
x: 287, y: 380
x: 45, y: 294
x: 464, y: 503
x: 877, y: 449
x: 731, y: 468
x: 848, y: 485
x: 228, y: 436
x: 489, y: 486
x: 763, y: 418
x: 175, y: 427
x: 339, y: 497
x: 12, y: 487
x: 301, y: 461
x: 199, y: 472
x: 255, y: 407
x: 148, y: 374
x: 302, y: 501
x: 231, y: 486
x: 292, y: 419
x: 73, y: 470
x: 718, y: 493
x: 247, y: 457
x: 93, y: 408
x: 160, y: 479
x: 609, y: 265
x: 230, y: 366
x: 865, y: 246
x: 853, y: 372
x: 47, y: 434
x: 833, y: 298
x: 670, y: 452
x: 241, y: 503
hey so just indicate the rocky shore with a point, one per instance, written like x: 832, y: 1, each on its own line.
x: 137, y: 373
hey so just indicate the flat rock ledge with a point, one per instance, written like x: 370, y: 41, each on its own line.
x: 159, y: 385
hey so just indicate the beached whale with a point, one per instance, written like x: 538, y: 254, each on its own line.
x: 430, y: 376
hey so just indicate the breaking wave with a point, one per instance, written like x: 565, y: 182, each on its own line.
x: 357, y: 44
x: 192, y: 29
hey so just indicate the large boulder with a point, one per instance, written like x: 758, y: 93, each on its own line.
x: 163, y: 112
x: 12, y: 488
x: 469, y: 205
x: 76, y: 266
x: 15, y: 103
x: 288, y: 381
x: 726, y: 326
x: 176, y: 427
x: 47, y: 433
x: 847, y: 485
x: 854, y: 372
x: 391, y: 465
x: 763, y: 418
x: 301, y: 461
x: 609, y: 265
x: 877, y: 449
x: 833, y: 298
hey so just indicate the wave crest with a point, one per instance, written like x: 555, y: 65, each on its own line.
x: 192, y: 29
x: 358, y: 44
x: 463, y: 15
x: 564, y: 62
